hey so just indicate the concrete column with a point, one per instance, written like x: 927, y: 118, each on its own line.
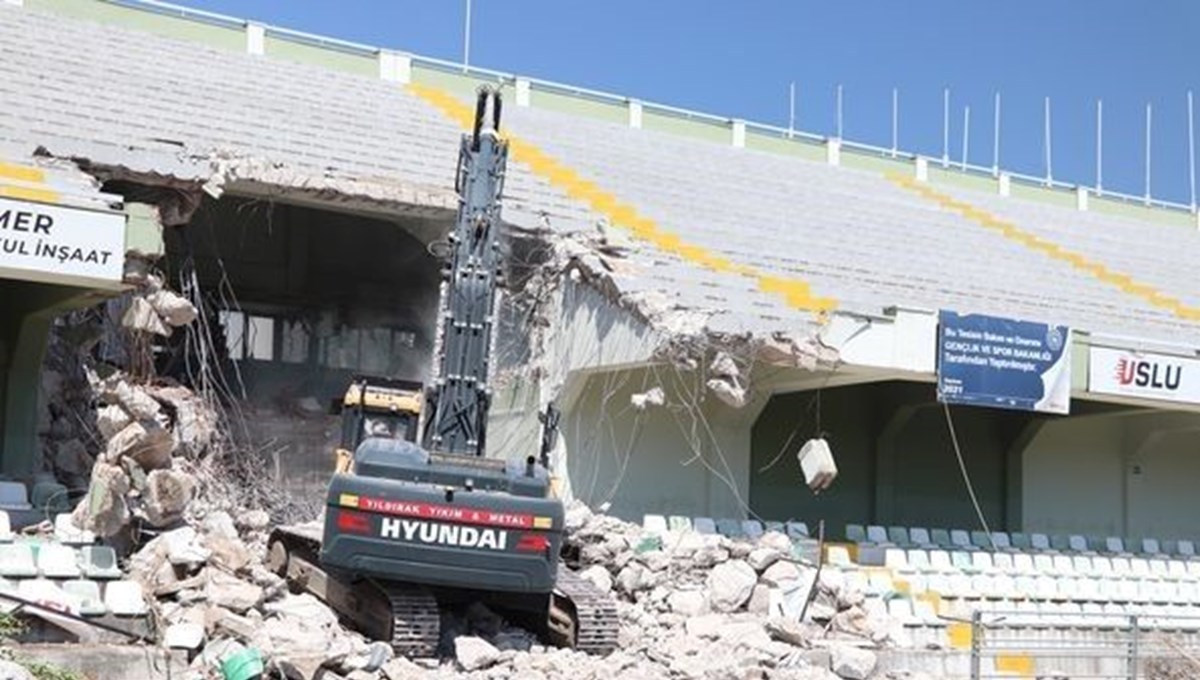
x: 1004, y: 184
x: 256, y: 38
x: 522, y: 87
x: 739, y: 133
x: 635, y: 114
x: 1081, y: 198
x: 395, y: 67
x: 833, y: 151
x: 922, y: 169
x: 26, y: 319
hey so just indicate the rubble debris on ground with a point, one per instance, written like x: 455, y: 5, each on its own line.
x: 686, y: 601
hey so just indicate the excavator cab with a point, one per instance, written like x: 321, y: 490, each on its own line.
x: 376, y: 407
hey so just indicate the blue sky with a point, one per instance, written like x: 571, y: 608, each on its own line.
x: 736, y: 59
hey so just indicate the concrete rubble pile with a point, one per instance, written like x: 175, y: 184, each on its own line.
x: 691, y: 606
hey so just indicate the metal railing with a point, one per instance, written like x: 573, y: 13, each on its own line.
x: 1078, y: 645
x: 648, y: 107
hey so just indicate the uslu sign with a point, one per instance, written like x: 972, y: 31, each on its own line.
x: 58, y: 244
x: 1143, y: 374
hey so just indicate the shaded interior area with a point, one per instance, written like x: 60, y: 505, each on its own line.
x: 298, y: 301
x: 1104, y: 470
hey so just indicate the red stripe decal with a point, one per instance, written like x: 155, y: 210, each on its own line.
x: 447, y: 513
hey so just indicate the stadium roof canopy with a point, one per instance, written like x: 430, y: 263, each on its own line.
x: 747, y: 235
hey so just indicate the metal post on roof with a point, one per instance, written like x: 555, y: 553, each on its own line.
x: 1099, y: 147
x: 996, y: 137
x: 895, y: 120
x: 1049, y: 159
x: 1191, y: 151
x: 1148, y: 121
x: 839, y: 111
x: 792, y: 109
x: 945, y: 127
x: 467, y: 38
x: 966, y: 134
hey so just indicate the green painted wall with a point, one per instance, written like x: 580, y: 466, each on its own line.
x: 1058, y: 197
x: 220, y: 37
x: 697, y: 129
x: 457, y: 83
x: 939, y: 175
x: 579, y: 106
x: 801, y: 148
x: 865, y: 161
x: 334, y: 59
x: 1141, y: 213
x: 914, y: 482
x: 143, y: 230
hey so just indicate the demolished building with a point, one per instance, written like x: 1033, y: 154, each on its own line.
x: 697, y: 296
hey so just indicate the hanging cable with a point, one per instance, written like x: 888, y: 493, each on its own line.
x: 962, y: 466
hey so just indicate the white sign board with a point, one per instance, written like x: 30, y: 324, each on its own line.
x: 1142, y: 374
x: 57, y: 244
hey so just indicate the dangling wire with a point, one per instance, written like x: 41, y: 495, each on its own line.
x: 962, y: 466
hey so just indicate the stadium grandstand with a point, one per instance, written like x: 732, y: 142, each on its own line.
x: 706, y: 295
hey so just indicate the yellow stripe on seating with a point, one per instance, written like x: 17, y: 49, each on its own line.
x: 22, y: 173
x: 794, y: 291
x: 959, y: 635
x: 29, y: 193
x: 1123, y: 282
x: 1017, y: 664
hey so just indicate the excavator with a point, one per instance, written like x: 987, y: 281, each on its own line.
x: 412, y: 528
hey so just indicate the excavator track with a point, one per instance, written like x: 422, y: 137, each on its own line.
x: 581, y: 616
x: 416, y: 622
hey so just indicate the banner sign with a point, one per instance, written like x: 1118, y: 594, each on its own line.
x: 57, y: 244
x: 1143, y: 374
x: 1003, y: 363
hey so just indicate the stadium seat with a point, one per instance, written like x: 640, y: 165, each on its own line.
x: 870, y: 555
x: 1063, y: 565
x: 1177, y: 570
x: 941, y: 538
x: 679, y: 523
x: 125, y: 598
x: 981, y: 540
x: 939, y: 561
x: 1039, y: 542
x: 838, y: 556
x: 920, y: 537
x: 1020, y: 541
x: 918, y: 560
x: 14, y: 496
x: 774, y: 526
x: 1003, y: 563
x: 796, y: 530
x: 1077, y: 543
x: 1023, y: 564
x: 896, y: 559
x: 856, y: 533
x: 752, y: 528
x: 981, y: 561
x: 1186, y: 549
x: 960, y: 539
x: 655, y: 524
x: 704, y: 525
x: 1060, y: 543
x: 1139, y: 567
x: 880, y: 584
x: 1114, y: 545
x: 1001, y: 540
x: 1043, y: 563
x: 1102, y: 566
x: 877, y: 535
x: 729, y: 528
x: 1045, y: 588
x: 1082, y: 565
x: 961, y: 560
x: 88, y: 595
x: 898, y: 536
x: 6, y: 533
x: 1150, y: 546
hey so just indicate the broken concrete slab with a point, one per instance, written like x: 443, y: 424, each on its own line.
x: 145, y: 441
x: 852, y: 663
x: 168, y: 493
x: 103, y: 511
x: 473, y: 653
x: 730, y: 585
x: 231, y: 592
